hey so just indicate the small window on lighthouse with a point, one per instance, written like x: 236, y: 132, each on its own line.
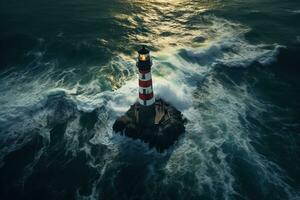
x: 143, y: 57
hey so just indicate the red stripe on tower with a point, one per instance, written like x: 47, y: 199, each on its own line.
x: 145, y: 83
x: 146, y: 97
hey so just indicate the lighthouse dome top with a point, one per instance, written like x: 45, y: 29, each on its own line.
x: 143, y: 50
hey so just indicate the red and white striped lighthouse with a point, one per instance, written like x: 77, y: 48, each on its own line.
x: 146, y: 95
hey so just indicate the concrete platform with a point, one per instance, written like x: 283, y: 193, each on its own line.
x: 159, y: 126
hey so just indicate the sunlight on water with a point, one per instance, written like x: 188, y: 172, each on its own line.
x: 165, y: 25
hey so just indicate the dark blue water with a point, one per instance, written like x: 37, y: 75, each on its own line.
x: 67, y: 71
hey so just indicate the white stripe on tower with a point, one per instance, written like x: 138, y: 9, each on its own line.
x: 148, y: 102
x: 145, y: 90
x: 145, y: 76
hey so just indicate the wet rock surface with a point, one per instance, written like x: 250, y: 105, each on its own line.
x: 159, y: 126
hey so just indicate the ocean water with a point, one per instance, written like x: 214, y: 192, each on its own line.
x: 67, y: 71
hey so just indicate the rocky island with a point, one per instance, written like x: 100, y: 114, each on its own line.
x: 151, y: 120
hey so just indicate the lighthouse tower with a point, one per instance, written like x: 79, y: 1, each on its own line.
x: 144, y: 63
x: 145, y: 109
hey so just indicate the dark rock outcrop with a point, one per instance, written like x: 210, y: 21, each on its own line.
x: 160, y: 128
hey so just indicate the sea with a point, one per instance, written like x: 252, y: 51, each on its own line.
x: 68, y: 71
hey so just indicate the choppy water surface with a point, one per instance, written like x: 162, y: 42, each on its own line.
x: 68, y: 71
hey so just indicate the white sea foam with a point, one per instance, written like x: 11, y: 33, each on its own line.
x: 213, y: 117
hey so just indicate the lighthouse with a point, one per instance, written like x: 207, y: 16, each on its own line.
x: 144, y: 63
x: 146, y: 101
x: 151, y: 120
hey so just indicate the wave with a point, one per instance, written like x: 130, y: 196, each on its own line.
x: 217, y: 136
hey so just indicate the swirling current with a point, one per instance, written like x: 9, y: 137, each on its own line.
x: 67, y: 71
